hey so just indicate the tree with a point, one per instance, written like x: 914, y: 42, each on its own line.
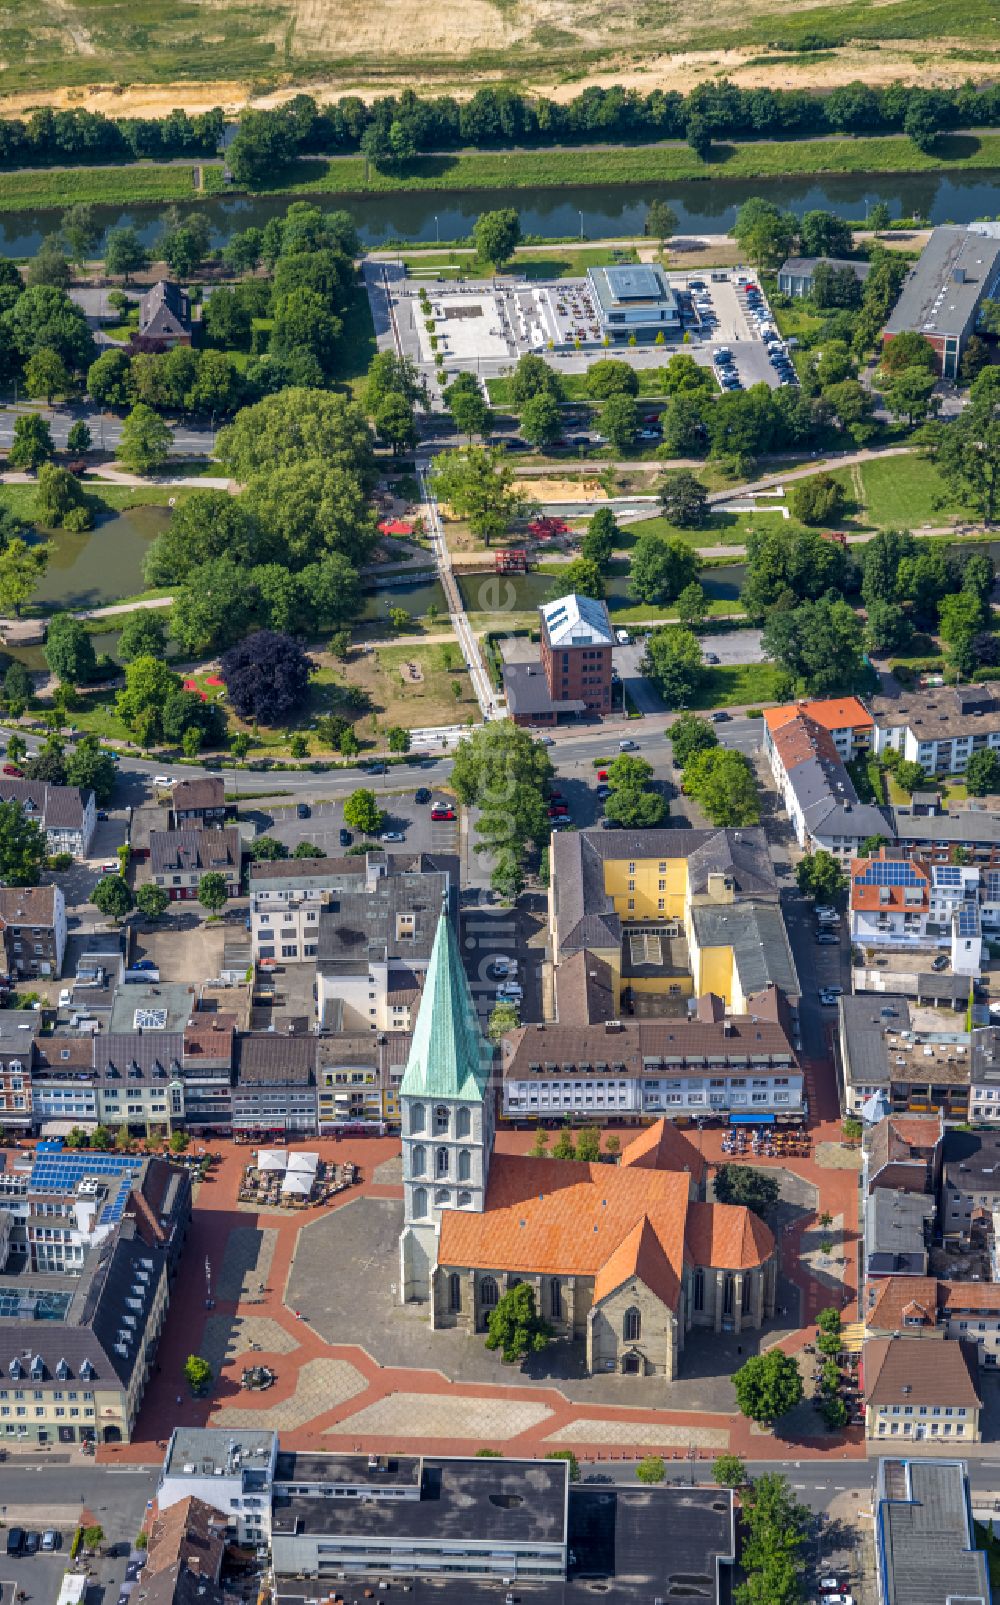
x: 298, y: 426
x: 148, y: 685
x: 600, y: 539
x: 109, y: 379
x: 389, y: 375
x: 692, y: 606
x: 32, y: 442
x: 44, y: 318
x: 515, y: 1327
x: 661, y: 568
x: 61, y: 499
x: 46, y: 374
x: 145, y: 441
x: 69, y: 650
x: 661, y: 222
x: 503, y: 1018
x: 673, y: 663
x: 618, y: 419
x: 478, y: 485
x: 968, y: 450
x: 582, y: 577
x: 588, y: 1145
x: 21, y: 567
x: 23, y: 850
x: 854, y: 407
x: 820, y: 644
x: 503, y: 770
x: 78, y: 226
x: 496, y: 236
x: 908, y: 393
x: 610, y: 377
x: 395, y: 423
x: 975, y: 358
x: 397, y: 739
x: 541, y: 419
x: 197, y: 1373
x: 689, y: 734
x: 729, y: 1471
x: 362, y: 812
x: 467, y: 405
x: 151, y: 900
x: 267, y: 850
x: 213, y: 892
x: 745, y: 1185
x: 267, y: 676
x: 817, y: 500
x: 825, y: 234
x: 78, y: 437
x: 684, y: 500
x: 764, y: 233
x: 93, y: 1536
x: 179, y: 1140
x: 819, y: 876
x: 632, y: 803
x: 184, y: 242
x: 887, y: 628
x: 144, y: 634
x: 879, y: 218
x: 124, y: 253
x: 982, y: 772
x: 908, y: 349
x: 724, y: 783
x: 910, y: 776
x: 113, y: 896
x: 768, y: 1386
x: 571, y: 1461
x: 17, y: 694
x: 651, y: 1469
x: 959, y: 618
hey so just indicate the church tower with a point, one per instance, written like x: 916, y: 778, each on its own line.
x: 447, y: 1113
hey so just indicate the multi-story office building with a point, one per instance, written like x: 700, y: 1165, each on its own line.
x: 921, y: 1391
x: 349, y: 1093
x: 737, y: 1067
x: 231, y: 1470
x: 572, y: 675
x: 139, y: 1080
x: 275, y: 1089
x: 925, y: 1542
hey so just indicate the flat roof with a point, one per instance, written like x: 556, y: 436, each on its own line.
x: 491, y: 1501
x: 631, y: 1546
x: 925, y: 1535
x: 197, y: 1451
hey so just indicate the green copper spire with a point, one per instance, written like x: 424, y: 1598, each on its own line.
x: 449, y: 1057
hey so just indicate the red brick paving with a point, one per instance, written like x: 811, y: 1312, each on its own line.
x: 216, y: 1215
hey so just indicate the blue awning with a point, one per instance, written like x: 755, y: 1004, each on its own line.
x: 751, y: 1120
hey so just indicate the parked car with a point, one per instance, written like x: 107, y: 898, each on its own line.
x: 546, y: 741
x: 509, y: 990
x: 711, y: 657
x: 827, y: 938
x: 827, y: 1000
x: 65, y: 997
x: 505, y: 967
x: 303, y: 810
x: 15, y: 1540
x: 51, y: 1539
x: 102, y: 814
x: 832, y: 991
x: 720, y: 716
x: 829, y: 1585
x: 827, y: 916
x: 722, y: 356
x: 422, y: 795
x: 345, y: 837
x: 163, y: 780
x: 110, y: 867
x: 941, y: 962
x: 32, y: 1543
x: 442, y: 811
x: 12, y: 769
x: 391, y: 836
x: 143, y: 964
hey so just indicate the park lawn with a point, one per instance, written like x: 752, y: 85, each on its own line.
x: 357, y: 342
x: 147, y: 181
x: 393, y: 700
x: 559, y: 264
x: 906, y: 492
x: 95, y: 712
x: 737, y: 685
x: 22, y: 499
x: 722, y: 529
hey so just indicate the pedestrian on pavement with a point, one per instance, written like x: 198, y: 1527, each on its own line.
x: 178, y: 1398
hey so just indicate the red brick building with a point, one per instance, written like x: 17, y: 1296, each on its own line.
x: 573, y: 676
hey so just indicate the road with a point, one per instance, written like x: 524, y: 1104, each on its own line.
x: 45, y: 1489
x: 190, y: 439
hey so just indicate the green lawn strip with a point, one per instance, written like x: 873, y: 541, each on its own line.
x: 560, y: 264
x: 905, y: 492
x: 113, y: 185
x: 721, y: 529
x: 732, y: 685
x: 22, y: 499
x: 357, y: 341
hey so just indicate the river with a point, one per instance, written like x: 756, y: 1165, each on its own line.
x: 603, y: 211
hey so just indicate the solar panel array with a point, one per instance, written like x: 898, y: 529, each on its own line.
x: 947, y: 875
x: 968, y: 920
x: 890, y: 872
x: 62, y: 1173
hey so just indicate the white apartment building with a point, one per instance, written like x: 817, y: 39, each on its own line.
x: 939, y: 727
x: 902, y: 902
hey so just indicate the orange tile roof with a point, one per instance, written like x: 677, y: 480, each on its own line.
x: 563, y: 1217
x: 727, y: 1236
x: 870, y: 899
x: 833, y: 713
x: 800, y: 740
x: 970, y: 1296
x: 640, y: 1254
x: 662, y: 1147
x: 898, y: 1298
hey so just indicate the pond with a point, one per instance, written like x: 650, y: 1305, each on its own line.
x: 416, y: 599
x: 598, y: 211
x: 103, y: 564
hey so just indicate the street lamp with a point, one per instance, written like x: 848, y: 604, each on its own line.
x: 581, y: 225
x: 692, y: 1457
x: 437, y: 229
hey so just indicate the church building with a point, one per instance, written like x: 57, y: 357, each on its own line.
x: 625, y: 1259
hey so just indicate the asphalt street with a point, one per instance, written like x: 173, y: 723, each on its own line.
x: 41, y: 1491
x: 106, y: 429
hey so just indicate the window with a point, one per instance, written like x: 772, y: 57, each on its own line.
x: 417, y: 1117
x: 418, y: 1160
x: 419, y: 1202
x: 489, y: 1293
x: 555, y: 1300
x: 463, y: 1123
x: 441, y: 1118
x: 632, y: 1325
x: 465, y: 1165
x: 698, y: 1289
x: 745, y: 1300
x: 441, y: 1162
x: 454, y: 1292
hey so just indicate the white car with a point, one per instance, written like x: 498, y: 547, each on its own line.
x: 828, y: 916
x: 163, y: 780
x: 505, y: 967
x: 622, y: 637
x: 829, y: 1585
x: 838, y: 1599
x: 391, y: 836
x: 65, y: 997
x: 510, y: 992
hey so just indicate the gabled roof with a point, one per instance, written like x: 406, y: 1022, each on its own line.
x: 164, y: 310
x: 892, y: 1301
x: 662, y: 1147
x: 913, y: 1371
x: 727, y: 1237
x: 833, y: 713
x: 577, y: 621
x: 449, y: 1056
x: 640, y: 1253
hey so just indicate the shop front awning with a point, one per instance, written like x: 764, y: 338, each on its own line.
x: 751, y: 1120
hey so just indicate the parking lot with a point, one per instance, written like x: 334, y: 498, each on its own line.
x: 403, y: 816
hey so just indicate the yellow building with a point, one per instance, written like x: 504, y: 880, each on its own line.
x: 671, y: 913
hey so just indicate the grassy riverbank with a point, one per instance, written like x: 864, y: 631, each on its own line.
x: 530, y: 169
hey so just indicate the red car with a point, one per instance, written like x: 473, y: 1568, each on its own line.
x: 558, y: 810
x: 602, y: 774
x: 442, y: 811
x: 12, y: 769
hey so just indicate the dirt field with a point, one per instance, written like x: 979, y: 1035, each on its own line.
x: 107, y: 57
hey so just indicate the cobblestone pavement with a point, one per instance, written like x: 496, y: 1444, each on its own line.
x: 390, y: 1170
x: 320, y: 1386
x: 644, y: 1434
x: 834, y: 1156
x: 421, y: 1415
x: 404, y: 1398
x: 229, y: 1336
x: 247, y: 1262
